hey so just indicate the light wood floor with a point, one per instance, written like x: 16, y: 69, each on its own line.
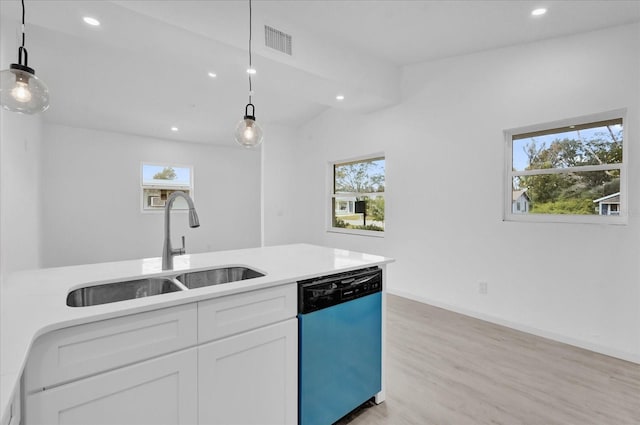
x: 446, y: 368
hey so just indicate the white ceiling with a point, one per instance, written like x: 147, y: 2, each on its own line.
x: 145, y: 69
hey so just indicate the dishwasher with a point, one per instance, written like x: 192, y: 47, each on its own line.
x: 340, y: 344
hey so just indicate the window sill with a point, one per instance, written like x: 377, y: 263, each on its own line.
x: 369, y: 233
x: 567, y: 218
x: 161, y: 210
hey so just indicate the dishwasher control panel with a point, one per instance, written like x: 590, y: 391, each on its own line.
x: 322, y: 292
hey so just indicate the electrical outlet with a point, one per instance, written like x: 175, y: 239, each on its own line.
x: 483, y: 288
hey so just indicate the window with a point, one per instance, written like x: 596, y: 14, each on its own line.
x: 160, y: 180
x: 357, y: 196
x: 571, y: 171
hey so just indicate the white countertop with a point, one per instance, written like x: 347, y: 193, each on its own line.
x: 34, y: 302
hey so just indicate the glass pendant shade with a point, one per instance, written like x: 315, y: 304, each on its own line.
x: 21, y: 91
x: 248, y: 133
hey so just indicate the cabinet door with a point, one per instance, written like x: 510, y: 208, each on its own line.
x: 250, y: 378
x: 157, y: 391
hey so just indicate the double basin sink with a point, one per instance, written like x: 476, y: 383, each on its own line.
x: 121, y: 291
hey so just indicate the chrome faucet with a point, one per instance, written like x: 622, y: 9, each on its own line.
x: 167, y: 250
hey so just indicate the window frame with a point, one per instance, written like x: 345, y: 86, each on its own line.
x: 160, y: 210
x: 331, y: 194
x: 509, y: 174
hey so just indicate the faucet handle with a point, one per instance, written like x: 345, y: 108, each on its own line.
x: 179, y: 251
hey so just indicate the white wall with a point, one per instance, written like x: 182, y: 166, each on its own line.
x: 279, y: 181
x: 20, y: 195
x: 444, y: 146
x: 92, y: 198
x: 20, y: 152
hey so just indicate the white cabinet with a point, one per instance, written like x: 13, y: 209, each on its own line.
x: 157, y: 391
x: 148, y: 368
x: 250, y: 378
x: 78, y: 351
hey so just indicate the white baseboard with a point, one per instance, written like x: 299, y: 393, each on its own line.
x: 623, y: 355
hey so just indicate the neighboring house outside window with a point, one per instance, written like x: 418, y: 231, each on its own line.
x: 608, y: 205
x: 520, y: 203
x: 557, y: 171
x: 161, y: 180
x: 357, y: 196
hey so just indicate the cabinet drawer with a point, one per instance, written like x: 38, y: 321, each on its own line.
x: 237, y: 313
x: 71, y: 353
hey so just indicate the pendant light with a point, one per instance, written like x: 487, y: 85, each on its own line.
x: 248, y: 133
x: 20, y: 89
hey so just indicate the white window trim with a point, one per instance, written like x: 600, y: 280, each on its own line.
x: 329, y: 205
x: 358, y: 232
x: 143, y: 186
x: 621, y: 219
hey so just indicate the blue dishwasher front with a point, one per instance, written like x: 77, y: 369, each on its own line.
x: 340, y: 354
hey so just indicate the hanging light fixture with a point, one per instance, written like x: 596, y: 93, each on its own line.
x: 248, y: 133
x: 20, y: 89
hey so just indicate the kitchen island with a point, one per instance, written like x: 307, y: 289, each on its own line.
x: 33, y: 303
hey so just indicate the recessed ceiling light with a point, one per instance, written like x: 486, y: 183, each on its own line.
x: 174, y: 128
x: 340, y: 97
x: 539, y: 12
x: 213, y: 75
x: 251, y: 71
x: 91, y: 21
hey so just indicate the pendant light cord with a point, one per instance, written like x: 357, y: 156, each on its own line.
x: 22, y: 49
x: 23, y: 24
x: 250, y: 67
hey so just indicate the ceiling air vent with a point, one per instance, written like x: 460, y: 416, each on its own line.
x: 277, y: 40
